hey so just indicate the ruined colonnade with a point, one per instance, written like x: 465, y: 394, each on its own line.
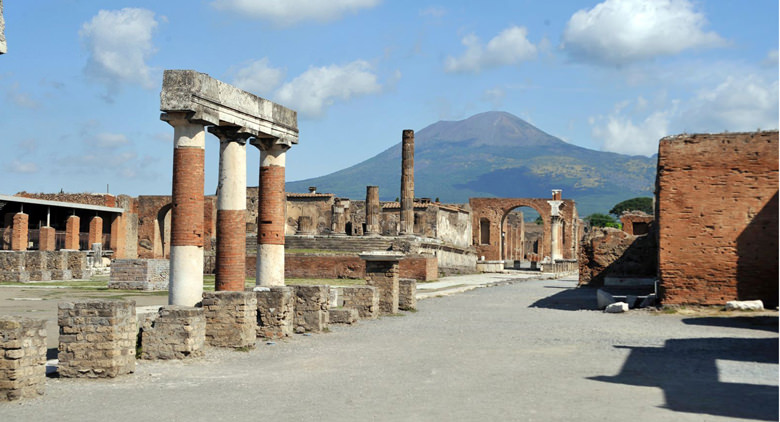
x: 190, y: 101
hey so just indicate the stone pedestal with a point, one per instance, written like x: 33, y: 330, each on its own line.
x: 97, y: 338
x: 22, y: 357
x: 174, y: 332
x: 19, y: 237
x: 118, y: 244
x: 231, y: 319
x: 311, y: 308
x: 382, y: 272
x: 365, y: 299
x: 407, y: 292
x: 139, y: 274
x: 275, y: 311
x: 46, y: 239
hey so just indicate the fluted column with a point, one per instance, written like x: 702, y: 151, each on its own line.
x: 230, y: 267
x: 372, y: 211
x: 186, y: 275
x: 271, y: 213
x: 407, y: 182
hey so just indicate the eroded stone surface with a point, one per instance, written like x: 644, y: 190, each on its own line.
x: 22, y: 357
x: 174, y: 332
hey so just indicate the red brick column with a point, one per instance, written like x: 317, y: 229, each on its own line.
x: 271, y: 213
x: 46, y: 241
x: 118, y: 237
x: 72, y: 228
x: 19, y: 238
x: 186, y: 276
x: 407, y: 182
x: 95, y: 230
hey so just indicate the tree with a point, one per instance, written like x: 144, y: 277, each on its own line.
x: 640, y: 203
x: 602, y: 220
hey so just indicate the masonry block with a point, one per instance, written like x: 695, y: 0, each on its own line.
x: 343, y: 316
x: 174, y: 332
x: 231, y: 318
x: 365, y: 299
x: 384, y: 276
x: 139, y: 274
x: 407, y: 292
x: 22, y: 357
x: 275, y: 312
x: 311, y: 308
x: 97, y: 338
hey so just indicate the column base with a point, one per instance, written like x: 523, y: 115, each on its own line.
x: 270, y: 265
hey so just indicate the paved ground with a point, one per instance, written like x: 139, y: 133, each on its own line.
x: 512, y: 352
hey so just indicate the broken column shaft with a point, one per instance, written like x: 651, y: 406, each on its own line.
x: 372, y: 211
x: 407, y: 182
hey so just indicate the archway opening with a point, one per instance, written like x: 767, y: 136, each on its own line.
x: 522, y: 233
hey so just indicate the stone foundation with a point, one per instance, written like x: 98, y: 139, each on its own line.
x: 174, y: 332
x: 97, y: 338
x: 22, y: 358
x: 24, y: 266
x: 139, y: 274
x: 311, y: 308
x: 275, y: 312
x: 365, y: 299
x: 343, y: 316
x: 407, y: 291
x: 231, y: 318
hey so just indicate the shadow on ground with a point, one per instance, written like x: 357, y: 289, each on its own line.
x: 765, y: 323
x: 570, y: 299
x: 687, y: 372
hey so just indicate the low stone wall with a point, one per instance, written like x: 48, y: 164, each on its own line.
x: 407, y: 292
x: 174, y: 332
x: 343, y: 316
x: 423, y: 268
x: 564, y: 266
x: 22, y: 357
x: 612, y: 252
x: 139, y: 274
x: 275, y: 312
x: 24, y: 266
x: 231, y: 318
x: 363, y: 298
x: 311, y: 308
x: 97, y: 338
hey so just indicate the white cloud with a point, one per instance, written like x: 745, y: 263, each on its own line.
x: 17, y: 166
x: 119, y: 42
x: 619, y: 133
x: 258, y: 77
x: 771, y: 59
x: 743, y: 103
x: 109, y: 140
x: 21, y: 99
x: 288, y: 12
x: 622, y: 31
x: 319, y: 87
x: 509, y: 47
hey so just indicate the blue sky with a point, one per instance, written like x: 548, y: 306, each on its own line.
x: 79, y: 86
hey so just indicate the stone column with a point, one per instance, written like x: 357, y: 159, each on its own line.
x: 372, y: 211
x: 95, y: 230
x: 20, y: 237
x: 231, y: 209
x: 339, y: 217
x: 186, y: 274
x: 271, y: 213
x: 305, y: 225
x: 407, y: 182
x: 72, y: 228
x: 118, y: 237
x: 46, y: 239
x: 555, y: 234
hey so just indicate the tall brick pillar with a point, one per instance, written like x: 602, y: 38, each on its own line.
x: 231, y: 209
x: 46, y: 239
x: 72, y: 228
x: 95, y: 230
x: 186, y: 274
x: 407, y: 182
x: 271, y: 213
x: 118, y: 237
x: 372, y: 211
x: 19, y: 238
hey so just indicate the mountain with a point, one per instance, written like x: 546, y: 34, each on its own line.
x: 496, y: 154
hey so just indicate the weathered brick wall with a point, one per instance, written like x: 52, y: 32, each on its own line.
x: 612, y: 252
x: 231, y: 318
x: 22, y: 357
x: 311, y: 308
x: 717, y: 210
x: 97, y: 338
x: 275, y: 312
x: 423, y: 268
x: 174, y: 332
x: 636, y: 222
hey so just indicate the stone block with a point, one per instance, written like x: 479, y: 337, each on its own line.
x: 384, y: 276
x: 616, y: 308
x: 407, y: 292
x: 343, y: 316
x: 604, y: 299
x: 139, y: 274
x: 744, y: 305
x: 365, y: 299
x: 275, y: 311
x: 97, y: 338
x: 231, y: 318
x: 174, y: 332
x: 22, y: 357
x: 311, y: 308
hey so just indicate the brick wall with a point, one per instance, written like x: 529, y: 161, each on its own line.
x: 421, y: 268
x: 717, y: 210
x: 612, y: 252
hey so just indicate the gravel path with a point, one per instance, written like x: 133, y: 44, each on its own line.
x: 512, y: 352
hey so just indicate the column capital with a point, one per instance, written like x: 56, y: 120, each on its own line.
x: 230, y: 133
x: 270, y: 144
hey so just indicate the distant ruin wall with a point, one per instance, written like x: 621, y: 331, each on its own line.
x: 717, y: 212
x: 612, y: 252
x: 422, y: 268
